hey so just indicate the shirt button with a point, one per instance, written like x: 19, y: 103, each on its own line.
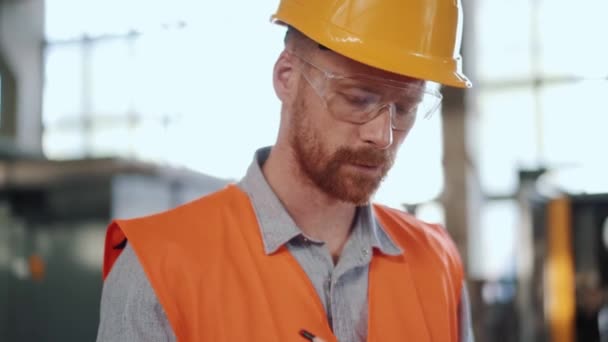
x: 364, y: 255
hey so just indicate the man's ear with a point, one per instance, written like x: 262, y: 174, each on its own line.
x: 283, y: 77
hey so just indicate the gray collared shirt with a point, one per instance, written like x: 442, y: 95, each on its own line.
x: 130, y: 310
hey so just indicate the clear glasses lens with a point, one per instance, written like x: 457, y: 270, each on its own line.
x: 359, y: 99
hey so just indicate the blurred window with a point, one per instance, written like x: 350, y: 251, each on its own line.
x: 507, y: 136
x: 542, y: 86
x: 499, y: 222
x: 158, y: 82
x: 502, y: 41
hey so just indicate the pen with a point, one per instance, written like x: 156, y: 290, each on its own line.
x: 307, y: 335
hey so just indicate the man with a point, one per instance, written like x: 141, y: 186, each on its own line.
x: 296, y: 250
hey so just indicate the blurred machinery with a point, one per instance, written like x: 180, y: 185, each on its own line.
x: 53, y: 216
x: 573, y: 243
x: 560, y: 293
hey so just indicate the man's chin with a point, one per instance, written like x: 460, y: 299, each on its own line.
x: 348, y: 186
x: 360, y: 203
x: 354, y: 194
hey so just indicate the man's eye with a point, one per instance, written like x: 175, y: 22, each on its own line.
x: 405, y: 109
x: 407, y: 106
x: 360, y: 100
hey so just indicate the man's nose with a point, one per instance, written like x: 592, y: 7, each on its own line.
x: 379, y: 130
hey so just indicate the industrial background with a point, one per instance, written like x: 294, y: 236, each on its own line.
x: 124, y: 108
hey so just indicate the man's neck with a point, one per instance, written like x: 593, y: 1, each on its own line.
x: 318, y: 215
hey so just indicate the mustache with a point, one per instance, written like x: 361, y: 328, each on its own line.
x: 364, y: 156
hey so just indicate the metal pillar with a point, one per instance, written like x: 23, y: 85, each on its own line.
x: 21, y: 44
x: 462, y: 197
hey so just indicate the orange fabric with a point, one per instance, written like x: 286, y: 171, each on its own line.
x: 206, y: 263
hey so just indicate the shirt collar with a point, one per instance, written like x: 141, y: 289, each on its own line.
x: 276, y: 225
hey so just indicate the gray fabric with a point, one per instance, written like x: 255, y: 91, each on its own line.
x: 130, y: 310
x: 129, y: 302
x: 464, y: 316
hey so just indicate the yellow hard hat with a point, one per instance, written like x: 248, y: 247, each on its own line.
x: 415, y: 38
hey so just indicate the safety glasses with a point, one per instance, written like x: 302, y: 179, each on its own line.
x: 361, y: 98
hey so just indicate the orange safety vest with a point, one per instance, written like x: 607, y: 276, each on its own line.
x: 206, y: 263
